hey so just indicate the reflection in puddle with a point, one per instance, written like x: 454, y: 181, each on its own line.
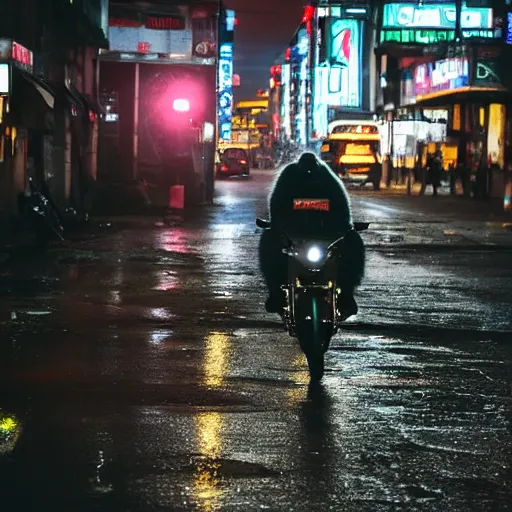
x: 223, y: 241
x: 300, y: 377
x: 114, y: 297
x: 117, y: 282
x: 172, y: 240
x: 228, y: 200
x: 216, y: 359
x: 159, y: 336
x: 167, y: 280
x: 161, y: 313
x: 207, y: 477
x: 99, y: 483
x: 10, y: 431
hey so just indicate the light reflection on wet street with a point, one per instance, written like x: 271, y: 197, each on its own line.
x: 139, y: 371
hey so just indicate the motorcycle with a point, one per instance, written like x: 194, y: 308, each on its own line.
x: 312, y: 296
x: 42, y: 216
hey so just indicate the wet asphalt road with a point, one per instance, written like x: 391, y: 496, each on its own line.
x: 139, y: 371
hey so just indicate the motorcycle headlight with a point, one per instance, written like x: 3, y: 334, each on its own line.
x: 314, y: 254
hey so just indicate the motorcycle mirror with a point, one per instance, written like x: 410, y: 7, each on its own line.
x: 262, y: 223
x: 361, y: 226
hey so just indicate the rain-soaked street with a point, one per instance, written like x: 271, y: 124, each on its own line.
x: 140, y: 372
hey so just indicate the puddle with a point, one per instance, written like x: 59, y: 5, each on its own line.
x: 10, y: 431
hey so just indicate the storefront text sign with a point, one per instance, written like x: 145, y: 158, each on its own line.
x: 17, y: 54
x: 440, y: 76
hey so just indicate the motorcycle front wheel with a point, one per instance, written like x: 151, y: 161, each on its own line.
x: 314, y: 336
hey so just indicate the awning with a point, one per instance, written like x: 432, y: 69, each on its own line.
x: 32, y: 101
x: 93, y: 104
x: 469, y: 94
x: 76, y: 99
x: 83, y: 102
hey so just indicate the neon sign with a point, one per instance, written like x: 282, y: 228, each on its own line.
x: 442, y: 16
x: 416, y: 36
x: 168, y: 23
x: 152, y: 23
x: 230, y: 20
x: 225, y: 105
x: 21, y: 55
x: 509, y: 28
x: 441, y: 75
x: 345, y: 56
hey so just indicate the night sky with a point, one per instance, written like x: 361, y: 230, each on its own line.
x: 264, y: 29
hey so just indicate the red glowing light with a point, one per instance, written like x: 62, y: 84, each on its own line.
x: 309, y: 13
x: 288, y: 54
x: 21, y: 54
x: 181, y: 105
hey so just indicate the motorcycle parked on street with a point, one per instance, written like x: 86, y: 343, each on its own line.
x: 42, y: 216
x: 312, y: 313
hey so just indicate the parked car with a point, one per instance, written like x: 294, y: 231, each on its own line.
x: 233, y: 162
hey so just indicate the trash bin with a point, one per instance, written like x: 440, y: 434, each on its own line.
x: 177, y: 197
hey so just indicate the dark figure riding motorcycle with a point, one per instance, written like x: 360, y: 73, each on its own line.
x: 311, y: 255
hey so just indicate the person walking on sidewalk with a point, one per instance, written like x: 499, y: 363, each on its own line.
x: 432, y: 176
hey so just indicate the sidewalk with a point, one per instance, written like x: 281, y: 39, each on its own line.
x: 447, y: 204
x: 442, y: 221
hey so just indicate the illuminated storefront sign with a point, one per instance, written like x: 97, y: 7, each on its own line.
x: 441, y: 16
x: 225, y: 90
x: 4, y: 79
x: 152, y: 37
x: 509, y: 28
x: 441, y: 75
x: 17, y: 54
x: 152, y: 22
x: 416, y: 36
x: 486, y: 67
x: 407, y: 23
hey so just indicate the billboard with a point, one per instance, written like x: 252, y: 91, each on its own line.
x: 340, y: 82
x: 141, y: 39
x: 440, y: 76
x: 439, y: 16
x: 225, y: 90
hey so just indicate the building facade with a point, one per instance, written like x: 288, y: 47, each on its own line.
x: 166, y: 89
x: 48, y: 106
x: 445, y: 64
x: 326, y: 72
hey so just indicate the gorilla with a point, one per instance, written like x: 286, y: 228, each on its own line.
x: 310, y: 178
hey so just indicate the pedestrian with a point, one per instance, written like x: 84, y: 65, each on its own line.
x: 463, y: 176
x: 425, y: 174
x: 481, y: 180
x: 435, y: 171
